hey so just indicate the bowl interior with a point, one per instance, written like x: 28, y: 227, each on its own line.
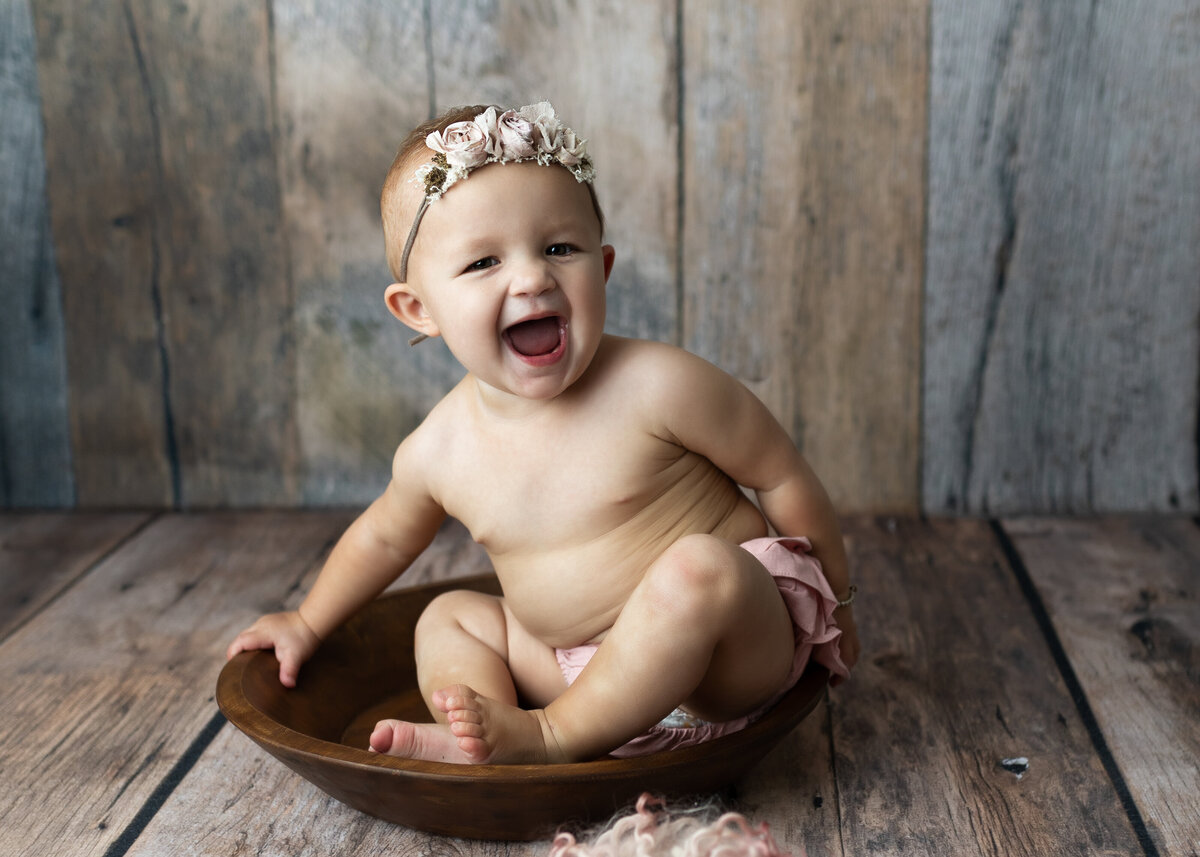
x: 366, y: 671
x: 366, y: 667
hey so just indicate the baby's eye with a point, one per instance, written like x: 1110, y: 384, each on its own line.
x: 481, y: 264
x: 560, y: 250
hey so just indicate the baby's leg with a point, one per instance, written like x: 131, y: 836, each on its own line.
x: 469, y: 643
x: 706, y: 628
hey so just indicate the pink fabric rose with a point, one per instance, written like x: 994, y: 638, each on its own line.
x: 516, y: 136
x: 489, y: 124
x: 464, y: 144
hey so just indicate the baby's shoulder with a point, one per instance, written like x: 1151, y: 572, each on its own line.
x: 434, y: 436
x: 673, y: 389
x: 653, y: 367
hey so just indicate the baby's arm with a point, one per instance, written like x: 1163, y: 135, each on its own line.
x: 714, y: 415
x: 374, y: 551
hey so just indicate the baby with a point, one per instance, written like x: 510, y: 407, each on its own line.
x: 644, y: 606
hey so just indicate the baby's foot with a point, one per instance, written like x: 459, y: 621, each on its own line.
x: 429, y: 741
x: 480, y: 731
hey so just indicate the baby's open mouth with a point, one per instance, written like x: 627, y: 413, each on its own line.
x: 538, y: 337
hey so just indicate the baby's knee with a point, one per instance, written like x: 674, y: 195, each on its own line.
x: 459, y: 609
x: 697, y: 573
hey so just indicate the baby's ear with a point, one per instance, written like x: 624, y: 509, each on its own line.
x: 406, y: 306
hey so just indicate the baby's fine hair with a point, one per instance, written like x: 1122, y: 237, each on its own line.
x: 412, y: 153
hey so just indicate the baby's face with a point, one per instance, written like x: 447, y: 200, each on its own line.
x: 510, y: 267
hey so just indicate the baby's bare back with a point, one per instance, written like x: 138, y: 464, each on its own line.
x: 575, y: 503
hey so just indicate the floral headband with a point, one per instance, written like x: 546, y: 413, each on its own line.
x: 531, y: 133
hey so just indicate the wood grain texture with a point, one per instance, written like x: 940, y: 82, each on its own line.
x: 42, y: 554
x: 351, y: 82
x: 103, y: 216
x: 1124, y: 596
x: 239, y: 800
x: 35, y: 451
x: 93, y: 732
x: 165, y: 204
x: 200, y: 324
x: 100, y: 702
x: 609, y: 69
x: 955, y: 678
x: 804, y: 145
x: 1062, y: 308
x: 794, y: 790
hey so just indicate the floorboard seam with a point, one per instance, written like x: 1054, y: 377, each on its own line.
x: 837, y: 783
x: 1075, y: 688
x: 159, y: 796
x: 67, y: 585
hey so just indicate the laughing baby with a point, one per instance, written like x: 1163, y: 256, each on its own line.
x: 647, y: 602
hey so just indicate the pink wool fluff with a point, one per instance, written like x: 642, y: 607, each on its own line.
x: 650, y: 831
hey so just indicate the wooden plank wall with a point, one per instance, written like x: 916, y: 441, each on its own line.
x: 35, y: 453
x: 953, y: 246
x: 1063, y: 285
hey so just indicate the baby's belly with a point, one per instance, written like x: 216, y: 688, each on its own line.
x: 572, y: 595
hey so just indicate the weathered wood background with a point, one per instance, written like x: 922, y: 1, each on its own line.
x: 955, y: 246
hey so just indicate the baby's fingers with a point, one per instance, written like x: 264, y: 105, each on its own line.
x: 249, y: 640
x: 289, y: 668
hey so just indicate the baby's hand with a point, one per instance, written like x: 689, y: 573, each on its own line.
x: 288, y: 634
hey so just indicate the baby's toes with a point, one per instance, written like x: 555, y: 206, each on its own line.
x: 464, y: 715
x: 476, y: 750
x: 455, y: 697
x: 383, y: 736
x: 466, y: 729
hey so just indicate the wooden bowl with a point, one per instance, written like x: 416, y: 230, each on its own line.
x: 365, y: 672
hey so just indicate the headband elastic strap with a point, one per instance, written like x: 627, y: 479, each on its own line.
x: 412, y: 236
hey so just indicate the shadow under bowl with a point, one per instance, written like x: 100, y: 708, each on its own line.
x: 365, y: 672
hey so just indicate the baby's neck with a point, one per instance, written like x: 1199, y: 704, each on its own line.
x: 492, y: 403
x: 495, y: 405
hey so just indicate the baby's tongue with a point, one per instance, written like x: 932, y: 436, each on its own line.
x: 532, y: 338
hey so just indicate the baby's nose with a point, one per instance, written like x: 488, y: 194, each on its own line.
x: 532, y: 279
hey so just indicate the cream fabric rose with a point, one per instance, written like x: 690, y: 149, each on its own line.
x: 574, y: 149
x: 547, y: 128
x: 464, y: 144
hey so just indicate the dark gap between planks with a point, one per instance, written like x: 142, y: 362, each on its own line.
x: 1074, y: 688
x: 121, y: 845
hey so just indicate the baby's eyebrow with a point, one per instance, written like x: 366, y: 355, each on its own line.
x: 570, y: 222
x: 471, y: 244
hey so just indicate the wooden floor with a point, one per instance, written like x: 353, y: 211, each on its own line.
x: 1071, y: 643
